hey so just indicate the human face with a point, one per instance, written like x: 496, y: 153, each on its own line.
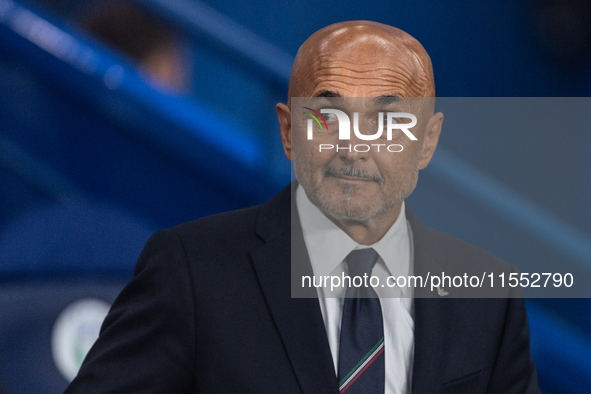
x: 361, y: 180
x: 361, y: 186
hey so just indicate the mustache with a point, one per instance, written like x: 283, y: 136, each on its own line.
x: 353, y: 172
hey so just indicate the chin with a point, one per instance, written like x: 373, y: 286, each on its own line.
x: 346, y: 207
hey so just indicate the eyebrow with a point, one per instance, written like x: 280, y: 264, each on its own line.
x: 327, y: 93
x: 382, y: 100
x: 386, y: 100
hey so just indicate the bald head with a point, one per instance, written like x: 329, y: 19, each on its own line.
x: 361, y: 59
x: 367, y: 60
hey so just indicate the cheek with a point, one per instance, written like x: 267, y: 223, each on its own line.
x: 317, y: 150
x: 393, y: 165
x: 411, y: 151
x: 309, y: 160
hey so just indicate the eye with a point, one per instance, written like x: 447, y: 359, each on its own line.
x: 376, y: 118
x: 329, y: 118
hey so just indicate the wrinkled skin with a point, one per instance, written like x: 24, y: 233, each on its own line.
x: 361, y: 59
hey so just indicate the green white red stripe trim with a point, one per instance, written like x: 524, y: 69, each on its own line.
x: 357, y: 370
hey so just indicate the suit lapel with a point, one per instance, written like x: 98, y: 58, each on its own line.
x: 433, y: 317
x: 299, y: 320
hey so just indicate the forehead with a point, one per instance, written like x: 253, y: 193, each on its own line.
x: 364, y: 62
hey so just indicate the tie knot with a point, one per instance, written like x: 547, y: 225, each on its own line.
x: 361, y: 261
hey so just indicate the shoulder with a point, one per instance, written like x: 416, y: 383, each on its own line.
x: 441, y: 255
x: 230, y: 233
x: 226, y: 225
x: 447, y: 246
x: 209, y: 240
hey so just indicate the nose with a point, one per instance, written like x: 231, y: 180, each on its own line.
x: 353, y: 149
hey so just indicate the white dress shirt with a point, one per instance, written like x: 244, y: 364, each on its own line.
x: 327, y: 247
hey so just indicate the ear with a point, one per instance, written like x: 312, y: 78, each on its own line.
x: 284, y: 115
x: 432, y: 132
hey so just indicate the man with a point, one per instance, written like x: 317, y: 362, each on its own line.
x: 210, y: 309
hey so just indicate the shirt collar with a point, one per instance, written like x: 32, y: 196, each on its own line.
x: 328, y: 245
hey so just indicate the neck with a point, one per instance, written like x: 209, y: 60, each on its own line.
x: 370, y: 231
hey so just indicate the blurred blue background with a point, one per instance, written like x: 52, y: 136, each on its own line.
x: 118, y: 118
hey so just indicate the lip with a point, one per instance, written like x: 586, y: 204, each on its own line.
x: 352, y: 178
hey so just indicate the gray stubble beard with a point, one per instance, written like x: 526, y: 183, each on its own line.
x: 343, y: 210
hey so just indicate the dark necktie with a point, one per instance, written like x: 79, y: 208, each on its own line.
x: 361, y: 348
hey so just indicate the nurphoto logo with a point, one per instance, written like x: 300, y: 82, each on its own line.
x: 335, y: 120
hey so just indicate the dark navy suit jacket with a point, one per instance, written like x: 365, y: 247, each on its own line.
x: 209, y: 310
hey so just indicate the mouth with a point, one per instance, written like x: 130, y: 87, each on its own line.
x: 352, y: 178
x: 352, y: 175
